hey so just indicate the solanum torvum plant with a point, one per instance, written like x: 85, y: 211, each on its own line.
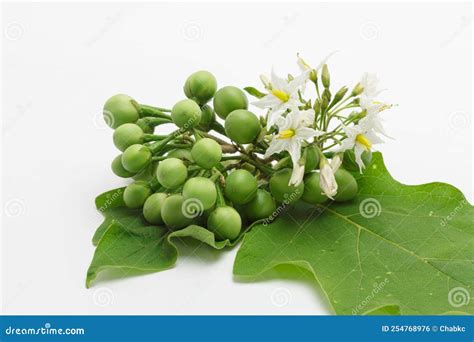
x: 233, y: 168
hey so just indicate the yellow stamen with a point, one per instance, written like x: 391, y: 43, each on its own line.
x: 286, y: 134
x: 362, y: 139
x: 281, y: 95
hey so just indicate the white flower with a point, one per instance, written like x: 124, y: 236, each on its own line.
x: 305, y: 66
x: 283, y: 95
x: 370, y: 84
x: 360, y: 137
x: 297, y: 174
x: 292, y: 131
x: 327, y: 181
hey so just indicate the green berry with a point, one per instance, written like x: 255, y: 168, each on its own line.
x: 171, y: 173
x: 280, y: 189
x: 207, y: 153
x: 208, y: 116
x: 346, y: 186
x: 202, y: 191
x: 261, y: 206
x: 152, y: 208
x: 173, y: 214
x: 118, y: 168
x: 186, y: 114
x: 136, y: 194
x: 200, y: 86
x: 312, y: 189
x: 349, y: 160
x: 312, y: 159
x: 228, y: 99
x: 120, y: 109
x: 180, y: 153
x: 242, y: 126
x: 127, y: 135
x: 225, y: 222
x: 240, y: 186
x: 136, y: 158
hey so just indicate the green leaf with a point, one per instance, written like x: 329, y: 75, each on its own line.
x: 127, y: 243
x: 254, y: 92
x: 141, y: 249
x: 395, y: 249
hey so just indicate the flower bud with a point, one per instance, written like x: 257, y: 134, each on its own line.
x: 313, y: 75
x: 325, y: 76
x: 340, y: 94
x: 358, y: 89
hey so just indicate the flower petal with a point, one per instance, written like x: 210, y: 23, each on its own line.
x: 276, y: 145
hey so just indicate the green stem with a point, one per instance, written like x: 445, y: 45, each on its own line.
x: 152, y: 137
x: 154, y: 110
x: 220, y: 197
x: 159, y: 145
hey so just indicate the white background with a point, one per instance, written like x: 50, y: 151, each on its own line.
x: 62, y: 61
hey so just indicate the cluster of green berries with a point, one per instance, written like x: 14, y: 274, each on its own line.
x: 193, y: 177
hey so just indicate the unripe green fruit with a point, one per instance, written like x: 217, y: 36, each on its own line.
x: 208, y: 116
x: 280, y: 189
x: 261, y: 206
x: 172, y: 212
x: 228, y: 99
x: 200, y: 86
x: 136, y: 158
x: 127, y: 135
x: 186, y: 114
x: 346, y: 186
x: 118, y: 168
x: 240, y: 186
x: 312, y: 189
x: 242, y: 126
x: 312, y: 159
x: 202, y: 191
x: 207, y: 153
x: 171, y: 173
x: 349, y: 160
x: 152, y: 208
x: 120, y: 109
x: 136, y: 194
x: 225, y: 222
x: 180, y: 153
